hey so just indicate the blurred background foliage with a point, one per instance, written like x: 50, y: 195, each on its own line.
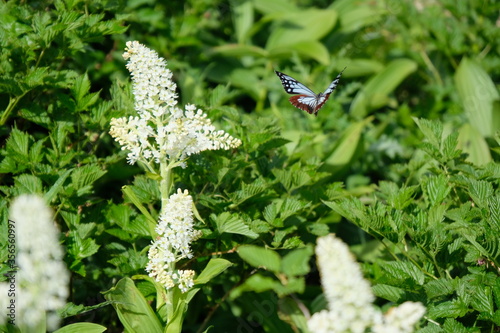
x: 62, y: 78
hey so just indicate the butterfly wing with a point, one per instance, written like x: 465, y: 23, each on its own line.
x: 334, y: 84
x: 322, y: 98
x: 305, y: 102
x: 306, y: 98
x: 293, y: 86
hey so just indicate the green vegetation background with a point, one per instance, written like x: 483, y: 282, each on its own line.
x: 401, y: 162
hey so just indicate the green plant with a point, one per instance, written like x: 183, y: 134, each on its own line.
x: 437, y: 235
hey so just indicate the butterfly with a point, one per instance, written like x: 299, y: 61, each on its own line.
x: 305, y: 98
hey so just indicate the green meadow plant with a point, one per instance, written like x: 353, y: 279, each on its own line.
x: 436, y: 235
x: 189, y: 229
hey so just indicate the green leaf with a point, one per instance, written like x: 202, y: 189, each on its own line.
x: 480, y: 191
x: 243, y: 19
x: 232, y: 224
x: 238, y: 50
x: 129, y: 193
x: 432, y: 130
x: 404, y: 270
x: 260, y: 257
x: 297, y: 262
x: 494, y: 208
x: 17, y: 145
x: 80, y: 92
x: 387, y: 292
x: 292, y: 310
x: 275, y: 7
x: 472, y: 142
x: 134, y: 312
x: 436, y: 189
x: 81, y: 327
x: 375, y: 94
x: 346, y: 147
x: 247, y: 191
x: 258, y: 284
x: 482, y: 299
x: 477, y: 93
x: 57, y: 186
x: 71, y: 309
x: 438, y: 288
x: 84, y: 177
x: 27, y: 183
x: 308, y: 48
x: 453, y: 326
x: 356, y: 15
x: 298, y: 27
x: 448, y: 309
x: 214, y: 267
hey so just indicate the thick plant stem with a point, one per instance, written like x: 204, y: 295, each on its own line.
x: 165, y: 189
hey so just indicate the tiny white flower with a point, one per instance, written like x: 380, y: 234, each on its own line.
x: 162, y: 130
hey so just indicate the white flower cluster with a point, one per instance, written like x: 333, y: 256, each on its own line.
x: 42, y: 277
x: 162, y: 130
x: 175, y: 234
x: 350, y: 300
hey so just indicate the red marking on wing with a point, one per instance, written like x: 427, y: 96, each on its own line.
x: 320, y: 105
x: 306, y: 107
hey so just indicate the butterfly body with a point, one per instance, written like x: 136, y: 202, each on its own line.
x: 305, y: 98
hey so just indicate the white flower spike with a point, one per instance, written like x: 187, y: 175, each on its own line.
x: 175, y: 234
x: 162, y: 130
x: 350, y: 299
x: 43, y: 277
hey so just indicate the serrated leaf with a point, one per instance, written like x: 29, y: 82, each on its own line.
x: 290, y: 206
x: 17, y: 145
x: 387, y: 292
x: 436, y: 189
x: 494, y: 209
x: 233, y: 224
x: 404, y: 270
x: 432, y: 130
x: 449, y: 309
x: 482, y: 299
x: 84, y: 177
x: 26, y: 183
x: 270, y: 212
x: 480, y: 191
x: 260, y: 257
x: 438, y: 288
x: 452, y: 326
x: 350, y: 208
x: 247, y: 191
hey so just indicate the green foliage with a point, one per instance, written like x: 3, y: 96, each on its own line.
x: 416, y: 199
x: 439, y: 236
